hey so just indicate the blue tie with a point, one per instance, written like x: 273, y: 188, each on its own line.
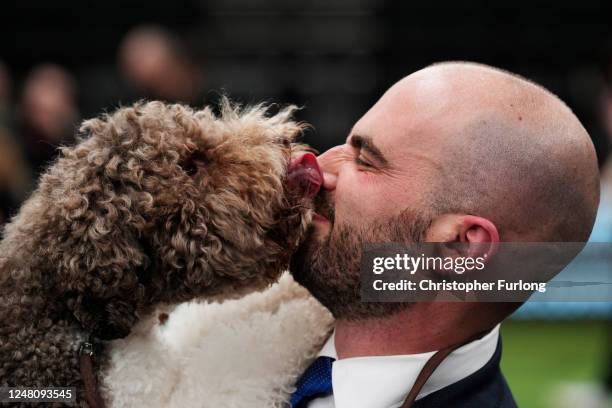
x: 316, y: 381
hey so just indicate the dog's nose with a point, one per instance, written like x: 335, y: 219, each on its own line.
x: 304, y: 174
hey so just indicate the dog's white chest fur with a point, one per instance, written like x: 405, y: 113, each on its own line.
x: 242, y: 353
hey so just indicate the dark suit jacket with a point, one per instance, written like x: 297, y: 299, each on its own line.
x: 486, y: 388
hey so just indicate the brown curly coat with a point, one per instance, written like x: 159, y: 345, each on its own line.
x: 158, y: 204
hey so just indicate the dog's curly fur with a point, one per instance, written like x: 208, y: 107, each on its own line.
x: 157, y: 204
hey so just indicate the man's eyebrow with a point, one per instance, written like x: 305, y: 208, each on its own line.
x: 365, y: 143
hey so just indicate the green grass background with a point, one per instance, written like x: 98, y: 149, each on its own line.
x: 539, y: 355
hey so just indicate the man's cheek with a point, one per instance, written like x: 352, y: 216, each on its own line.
x: 355, y: 207
x: 356, y: 199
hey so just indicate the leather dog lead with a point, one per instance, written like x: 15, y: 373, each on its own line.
x: 88, y: 375
x: 431, y: 366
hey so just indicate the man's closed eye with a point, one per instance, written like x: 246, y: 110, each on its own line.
x: 362, y: 162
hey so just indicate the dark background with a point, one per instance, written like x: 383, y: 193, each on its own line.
x: 335, y: 58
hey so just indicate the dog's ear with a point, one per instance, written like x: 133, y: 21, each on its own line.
x: 101, y: 264
x: 184, y: 246
x: 207, y: 248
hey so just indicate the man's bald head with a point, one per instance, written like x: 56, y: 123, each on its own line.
x: 510, y: 151
x: 454, y: 153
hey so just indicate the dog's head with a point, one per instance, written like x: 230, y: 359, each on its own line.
x: 166, y: 204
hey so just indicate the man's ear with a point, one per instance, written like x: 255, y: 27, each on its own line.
x: 464, y: 235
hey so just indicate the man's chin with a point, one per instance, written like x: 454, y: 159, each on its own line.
x: 328, y: 264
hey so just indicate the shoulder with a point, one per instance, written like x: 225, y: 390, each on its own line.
x: 486, y: 388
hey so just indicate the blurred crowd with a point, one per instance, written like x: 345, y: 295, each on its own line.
x: 43, y: 109
x: 42, y: 113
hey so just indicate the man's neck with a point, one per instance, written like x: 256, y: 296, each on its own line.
x: 420, y: 328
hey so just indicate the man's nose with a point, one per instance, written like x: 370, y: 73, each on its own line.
x: 329, y: 164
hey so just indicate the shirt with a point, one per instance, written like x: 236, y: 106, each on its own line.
x: 385, y: 381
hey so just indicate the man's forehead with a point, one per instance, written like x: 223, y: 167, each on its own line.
x: 425, y: 107
x: 389, y: 127
x: 408, y: 127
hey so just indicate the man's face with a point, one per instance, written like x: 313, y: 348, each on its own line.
x: 376, y: 189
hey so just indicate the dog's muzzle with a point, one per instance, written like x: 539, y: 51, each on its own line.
x: 305, y: 176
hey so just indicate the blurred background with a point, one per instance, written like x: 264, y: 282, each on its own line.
x: 63, y: 61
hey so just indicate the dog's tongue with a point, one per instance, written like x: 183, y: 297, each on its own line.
x: 305, y: 175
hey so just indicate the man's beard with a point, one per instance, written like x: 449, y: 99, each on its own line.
x: 330, y: 269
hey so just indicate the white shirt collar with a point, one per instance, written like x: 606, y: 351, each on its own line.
x: 384, y: 381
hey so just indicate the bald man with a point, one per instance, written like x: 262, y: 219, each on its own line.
x: 456, y: 152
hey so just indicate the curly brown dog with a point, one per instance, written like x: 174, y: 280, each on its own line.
x: 156, y: 205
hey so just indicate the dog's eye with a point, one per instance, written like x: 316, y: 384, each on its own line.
x: 193, y: 164
x: 286, y: 143
x: 190, y: 167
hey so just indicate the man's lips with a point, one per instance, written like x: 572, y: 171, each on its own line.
x: 318, y: 217
x: 305, y: 175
